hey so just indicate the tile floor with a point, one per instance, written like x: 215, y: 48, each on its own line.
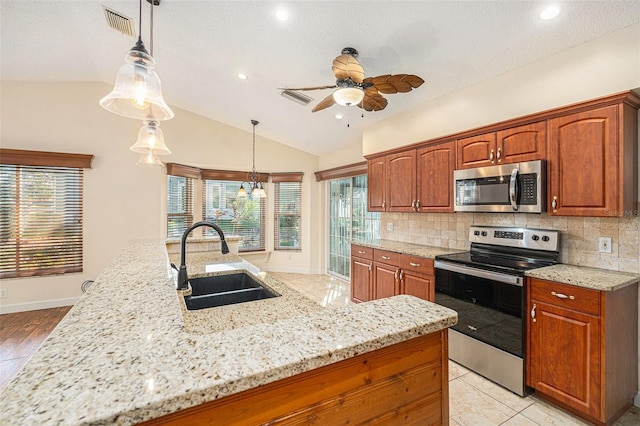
x: 473, y: 400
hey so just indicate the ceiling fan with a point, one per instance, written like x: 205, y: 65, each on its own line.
x: 355, y: 89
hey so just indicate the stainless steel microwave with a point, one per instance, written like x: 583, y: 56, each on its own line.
x: 515, y: 188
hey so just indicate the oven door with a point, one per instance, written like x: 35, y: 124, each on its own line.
x: 489, y: 304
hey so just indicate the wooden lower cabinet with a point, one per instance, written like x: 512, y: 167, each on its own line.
x: 376, y: 274
x: 406, y: 383
x: 582, y: 348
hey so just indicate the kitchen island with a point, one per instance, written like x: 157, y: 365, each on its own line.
x: 129, y: 352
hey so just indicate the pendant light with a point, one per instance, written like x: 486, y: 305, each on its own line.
x: 137, y: 91
x: 256, y: 188
x: 150, y: 138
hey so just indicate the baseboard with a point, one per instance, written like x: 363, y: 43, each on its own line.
x: 33, y: 306
x: 636, y: 400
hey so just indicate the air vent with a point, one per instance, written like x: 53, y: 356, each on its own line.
x: 119, y: 22
x: 296, y: 97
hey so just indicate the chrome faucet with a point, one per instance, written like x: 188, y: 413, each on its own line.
x: 183, y: 278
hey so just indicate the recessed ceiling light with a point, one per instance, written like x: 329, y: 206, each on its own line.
x: 242, y: 76
x: 282, y: 14
x: 549, y: 12
x: 339, y: 116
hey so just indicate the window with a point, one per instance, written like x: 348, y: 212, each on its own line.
x: 288, y: 214
x: 40, y: 212
x: 242, y: 216
x: 180, y: 192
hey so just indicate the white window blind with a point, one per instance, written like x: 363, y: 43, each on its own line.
x: 288, y: 211
x: 179, y: 205
x: 40, y: 214
x: 241, y: 216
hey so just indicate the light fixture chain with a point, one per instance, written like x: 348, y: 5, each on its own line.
x: 151, y: 30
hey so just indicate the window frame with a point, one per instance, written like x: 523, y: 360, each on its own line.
x: 70, y: 169
x: 191, y: 175
x: 277, y: 179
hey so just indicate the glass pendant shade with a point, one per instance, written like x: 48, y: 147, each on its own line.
x: 137, y: 92
x: 241, y: 191
x: 263, y: 193
x: 150, y: 137
x: 255, y: 192
x: 348, y: 96
x: 149, y: 158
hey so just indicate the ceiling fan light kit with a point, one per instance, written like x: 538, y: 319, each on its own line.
x: 348, y: 96
x: 137, y: 94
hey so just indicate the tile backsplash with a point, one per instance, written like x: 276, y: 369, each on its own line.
x: 579, y: 235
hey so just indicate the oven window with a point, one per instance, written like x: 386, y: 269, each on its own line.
x: 488, y: 310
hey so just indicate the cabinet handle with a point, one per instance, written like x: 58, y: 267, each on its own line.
x: 370, y: 269
x: 413, y: 205
x: 384, y: 203
x: 562, y: 296
x: 499, y: 156
x: 401, y: 275
x: 385, y: 257
x: 417, y: 205
x: 395, y: 276
x: 491, y: 157
x: 554, y: 204
x: 361, y: 252
x: 533, y: 313
x: 414, y: 264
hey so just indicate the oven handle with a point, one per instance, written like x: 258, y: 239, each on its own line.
x: 495, y: 276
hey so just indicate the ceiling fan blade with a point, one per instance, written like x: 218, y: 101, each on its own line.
x: 325, y: 103
x: 373, y: 101
x: 346, y: 66
x: 308, y: 88
x: 398, y: 83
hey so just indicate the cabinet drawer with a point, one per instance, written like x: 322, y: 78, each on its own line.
x: 388, y: 257
x: 361, y: 252
x: 566, y: 296
x: 416, y: 264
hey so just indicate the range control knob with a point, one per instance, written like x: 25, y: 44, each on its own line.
x: 545, y: 238
x: 476, y: 233
x: 535, y: 237
x: 484, y: 233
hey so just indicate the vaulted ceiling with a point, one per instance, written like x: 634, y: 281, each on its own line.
x: 201, y: 46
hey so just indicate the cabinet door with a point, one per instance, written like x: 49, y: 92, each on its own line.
x: 419, y: 285
x: 376, y: 184
x: 476, y: 151
x: 434, y: 177
x: 522, y: 143
x: 583, y: 164
x: 401, y: 181
x: 361, y: 280
x: 386, y: 280
x: 563, y: 356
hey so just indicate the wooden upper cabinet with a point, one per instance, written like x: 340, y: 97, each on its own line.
x: 585, y: 164
x: 376, y: 184
x: 434, y: 177
x: 522, y: 143
x: 512, y: 145
x: 401, y: 181
x: 476, y: 151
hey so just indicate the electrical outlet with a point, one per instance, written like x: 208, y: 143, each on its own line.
x: 604, y: 245
x: 4, y: 293
x: 389, y: 226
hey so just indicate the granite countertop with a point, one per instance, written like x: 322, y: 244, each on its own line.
x: 126, y: 352
x: 583, y: 276
x: 428, y: 252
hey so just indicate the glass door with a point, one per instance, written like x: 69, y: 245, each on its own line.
x: 348, y: 219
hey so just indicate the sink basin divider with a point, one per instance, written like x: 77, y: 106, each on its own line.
x: 242, y: 290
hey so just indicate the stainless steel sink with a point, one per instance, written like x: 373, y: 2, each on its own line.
x: 221, y: 290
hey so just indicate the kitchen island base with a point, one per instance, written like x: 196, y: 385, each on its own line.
x: 405, y: 383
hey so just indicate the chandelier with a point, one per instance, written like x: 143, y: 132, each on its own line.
x: 255, y: 187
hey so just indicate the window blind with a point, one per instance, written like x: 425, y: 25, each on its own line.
x: 288, y: 215
x: 179, y: 205
x: 241, y: 216
x: 40, y: 220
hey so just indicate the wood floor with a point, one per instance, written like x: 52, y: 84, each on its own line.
x: 21, y: 334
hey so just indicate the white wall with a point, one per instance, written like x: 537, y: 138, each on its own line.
x: 123, y: 201
x: 601, y: 67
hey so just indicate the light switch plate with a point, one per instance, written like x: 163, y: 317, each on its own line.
x: 389, y: 226
x: 604, y: 245
x: 4, y: 293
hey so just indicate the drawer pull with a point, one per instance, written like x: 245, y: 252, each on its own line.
x: 361, y: 252
x: 415, y: 265
x: 533, y: 313
x: 385, y: 257
x: 562, y: 296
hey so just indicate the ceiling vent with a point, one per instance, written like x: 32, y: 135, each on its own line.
x: 119, y: 22
x: 296, y: 97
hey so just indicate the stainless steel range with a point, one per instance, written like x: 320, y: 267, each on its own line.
x: 486, y: 287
